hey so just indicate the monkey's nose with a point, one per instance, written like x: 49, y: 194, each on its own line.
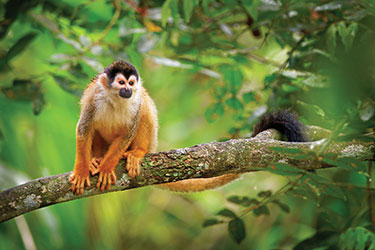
x: 126, y: 93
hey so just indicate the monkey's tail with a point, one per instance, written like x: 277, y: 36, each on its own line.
x: 199, y: 184
x: 284, y: 121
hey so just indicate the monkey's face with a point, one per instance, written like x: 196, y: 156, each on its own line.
x: 121, y: 86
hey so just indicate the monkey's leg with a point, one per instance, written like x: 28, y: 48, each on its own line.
x: 107, y: 167
x: 81, y: 174
x: 99, y: 148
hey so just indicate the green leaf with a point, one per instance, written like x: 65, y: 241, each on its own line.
x: 243, y: 201
x: 283, y: 206
x: 211, y: 222
x: 321, y: 240
x: 188, y: 6
x: 26, y: 90
x: 288, y: 38
x: 166, y: 12
x: 234, y: 103
x: 287, y: 88
x: 249, y: 97
x: 331, y: 38
x: 348, y: 163
x: 21, y: 90
x: 358, y: 238
x: 175, y: 14
x: 265, y: 194
x: 334, y: 5
x: 315, y: 81
x: 237, y: 230
x: 216, y: 109
x: 347, y: 34
x: 269, y: 79
x: 67, y: 85
x: 219, y: 109
x: 205, y: 4
x: 77, y: 71
x: 262, y: 210
x: 283, y: 169
x: 233, y: 78
x: 251, y: 7
x: 20, y: 45
x: 325, y: 187
x: 227, y: 213
x: 312, y: 109
x: 219, y: 92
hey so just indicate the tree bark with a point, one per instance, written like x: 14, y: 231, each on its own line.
x: 200, y: 161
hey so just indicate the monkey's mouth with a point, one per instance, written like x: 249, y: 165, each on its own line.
x: 126, y: 93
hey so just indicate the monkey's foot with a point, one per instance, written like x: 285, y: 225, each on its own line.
x: 133, y: 164
x: 78, y: 182
x: 94, y: 165
x: 106, y: 178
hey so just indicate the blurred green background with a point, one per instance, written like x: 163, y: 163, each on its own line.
x: 212, y: 67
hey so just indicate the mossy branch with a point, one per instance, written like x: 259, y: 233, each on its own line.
x: 200, y: 161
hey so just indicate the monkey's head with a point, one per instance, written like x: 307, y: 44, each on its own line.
x: 121, y: 79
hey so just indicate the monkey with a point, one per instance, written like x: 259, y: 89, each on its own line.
x: 119, y: 120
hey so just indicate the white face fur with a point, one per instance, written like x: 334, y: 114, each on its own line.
x: 121, y: 86
x: 113, y: 110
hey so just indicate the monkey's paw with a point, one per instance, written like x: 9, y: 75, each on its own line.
x: 133, y: 164
x: 106, y: 178
x: 78, y: 182
x: 94, y: 165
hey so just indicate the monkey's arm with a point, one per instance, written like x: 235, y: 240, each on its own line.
x: 84, y: 136
x: 108, y: 164
x: 145, y: 140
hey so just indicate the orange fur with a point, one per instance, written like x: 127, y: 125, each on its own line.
x: 112, y: 126
x: 199, y: 184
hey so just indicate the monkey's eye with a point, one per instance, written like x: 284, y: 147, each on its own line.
x: 121, y: 82
x: 131, y: 83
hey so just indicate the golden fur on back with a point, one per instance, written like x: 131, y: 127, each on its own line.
x: 119, y: 120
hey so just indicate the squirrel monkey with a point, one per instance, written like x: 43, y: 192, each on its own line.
x: 119, y: 120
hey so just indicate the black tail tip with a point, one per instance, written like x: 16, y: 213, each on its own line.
x: 284, y: 121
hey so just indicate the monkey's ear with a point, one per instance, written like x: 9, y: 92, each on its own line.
x: 103, y: 80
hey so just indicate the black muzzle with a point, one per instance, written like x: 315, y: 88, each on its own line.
x: 126, y: 93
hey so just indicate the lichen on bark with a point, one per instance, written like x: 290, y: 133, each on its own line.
x: 200, y: 161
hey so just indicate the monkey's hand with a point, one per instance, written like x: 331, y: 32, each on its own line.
x: 78, y: 179
x: 94, y: 165
x: 133, y: 162
x: 106, y: 174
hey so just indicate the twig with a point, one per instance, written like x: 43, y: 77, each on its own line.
x: 266, y: 35
x: 290, y: 185
x: 116, y: 15
x: 370, y: 200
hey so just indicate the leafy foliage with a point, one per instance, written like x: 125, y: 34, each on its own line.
x: 357, y: 238
x: 227, y: 61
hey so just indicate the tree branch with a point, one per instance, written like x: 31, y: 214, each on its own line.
x: 200, y: 161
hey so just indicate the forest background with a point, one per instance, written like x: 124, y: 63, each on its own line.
x: 213, y: 67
